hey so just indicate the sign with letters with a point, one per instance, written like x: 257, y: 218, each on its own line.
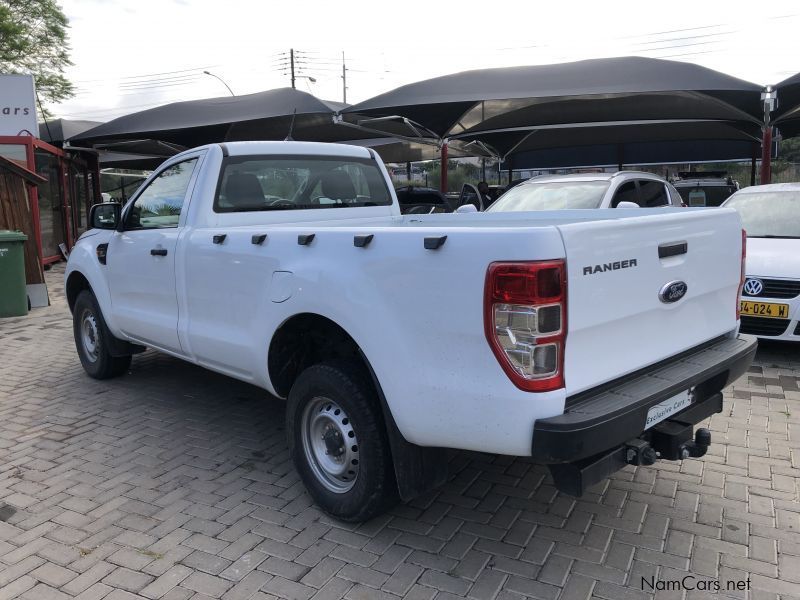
x: 17, y: 105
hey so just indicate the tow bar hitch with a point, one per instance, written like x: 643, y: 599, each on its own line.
x: 669, y: 440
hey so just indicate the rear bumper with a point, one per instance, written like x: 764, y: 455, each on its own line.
x: 604, y: 418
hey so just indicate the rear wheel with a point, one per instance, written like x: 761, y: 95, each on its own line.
x: 90, y: 334
x: 338, y: 441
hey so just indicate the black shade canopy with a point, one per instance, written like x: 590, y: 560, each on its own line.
x: 57, y: 131
x: 627, y: 143
x: 128, y: 160
x: 632, y: 153
x: 506, y: 142
x: 586, y: 91
x: 787, y: 114
x: 264, y: 115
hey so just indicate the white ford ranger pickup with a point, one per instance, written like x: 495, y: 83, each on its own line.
x: 586, y: 339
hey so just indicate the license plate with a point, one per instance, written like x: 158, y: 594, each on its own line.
x: 764, y: 309
x: 664, y: 409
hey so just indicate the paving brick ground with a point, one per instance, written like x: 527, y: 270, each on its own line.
x: 175, y: 483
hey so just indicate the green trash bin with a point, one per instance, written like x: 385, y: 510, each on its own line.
x: 13, y: 296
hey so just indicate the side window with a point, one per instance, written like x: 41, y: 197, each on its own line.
x: 652, y: 193
x: 160, y: 204
x: 627, y: 193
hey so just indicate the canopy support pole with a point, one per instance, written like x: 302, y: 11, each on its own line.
x: 768, y: 97
x: 766, y: 156
x: 443, y: 170
x: 753, y: 161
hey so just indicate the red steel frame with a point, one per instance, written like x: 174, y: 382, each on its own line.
x: 31, y: 144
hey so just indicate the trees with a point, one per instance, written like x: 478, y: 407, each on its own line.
x: 33, y: 39
x: 789, y: 150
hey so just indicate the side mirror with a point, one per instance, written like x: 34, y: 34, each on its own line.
x: 105, y: 215
x: 467, y: 208
x: 627, y: 204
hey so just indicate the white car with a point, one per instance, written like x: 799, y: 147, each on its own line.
x: 770, y: 303
x: 623, y: 189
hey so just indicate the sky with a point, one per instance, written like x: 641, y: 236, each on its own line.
x: 130, y: 55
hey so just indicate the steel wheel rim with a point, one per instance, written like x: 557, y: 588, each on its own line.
x: 330, y: 445
x: 90, y: 337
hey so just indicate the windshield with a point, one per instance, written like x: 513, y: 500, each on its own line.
x: 551, y: 195
x: 254, y: 183
x: 769, y: 214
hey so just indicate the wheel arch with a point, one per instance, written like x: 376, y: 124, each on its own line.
x: 302, y: 340
x: 76, y: 283
x: 305, y: 339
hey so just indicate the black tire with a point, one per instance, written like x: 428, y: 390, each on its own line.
x: 87, y: 325
x: 321, y: 390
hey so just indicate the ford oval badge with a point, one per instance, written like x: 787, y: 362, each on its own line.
x: 672, y: 292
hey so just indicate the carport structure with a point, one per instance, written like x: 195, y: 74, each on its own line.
x: 279, y: 114
x: 787, y: 114
x: 179, y: 125
x: 614, y: 106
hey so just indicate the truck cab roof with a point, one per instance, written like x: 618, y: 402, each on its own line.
x: 287, y: 147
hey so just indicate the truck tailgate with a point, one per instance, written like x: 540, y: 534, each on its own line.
x: 622, y: 314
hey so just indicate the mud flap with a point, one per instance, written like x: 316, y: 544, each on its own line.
x: 417, y: 469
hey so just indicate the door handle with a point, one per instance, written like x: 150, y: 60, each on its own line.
x: 158, y: 251
x: 672, y: 249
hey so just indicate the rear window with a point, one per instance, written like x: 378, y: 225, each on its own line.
x: 254, y: 183
x: 553, y: 195
x: 768, y: 214
x: 710, y: 195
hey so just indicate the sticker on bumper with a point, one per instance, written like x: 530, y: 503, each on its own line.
x: 667, y: 408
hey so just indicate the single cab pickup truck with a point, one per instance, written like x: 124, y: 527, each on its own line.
x: 588, y: 340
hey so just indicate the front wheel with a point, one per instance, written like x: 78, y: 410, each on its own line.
x: 90, y: 333
x: 338, y: 441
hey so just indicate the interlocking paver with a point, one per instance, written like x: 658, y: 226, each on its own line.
x: 127, y: 579
x: 174, y: 483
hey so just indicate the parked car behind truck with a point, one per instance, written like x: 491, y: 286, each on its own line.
x: 586, y: 339
x: 588, y: 190
x: 770, y: 303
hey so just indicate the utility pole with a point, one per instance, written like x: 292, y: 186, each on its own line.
x: 291, y: 64
x: 344, y: 80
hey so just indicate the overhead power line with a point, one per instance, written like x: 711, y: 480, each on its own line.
x: 128, y: 77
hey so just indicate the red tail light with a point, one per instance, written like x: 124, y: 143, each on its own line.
x: 525, y: 320
x: 742, y: 276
